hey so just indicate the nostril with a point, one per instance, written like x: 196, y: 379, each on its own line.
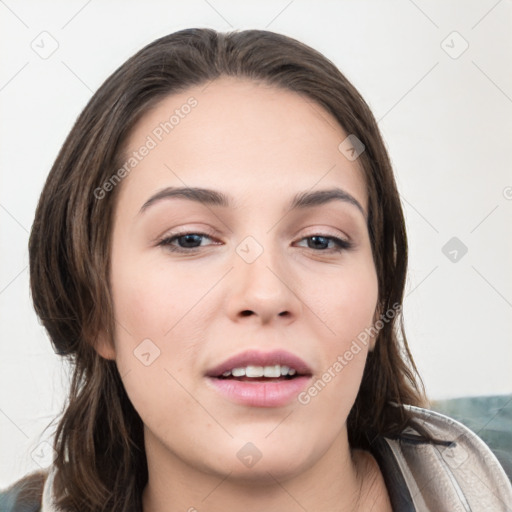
x: 247, y: 312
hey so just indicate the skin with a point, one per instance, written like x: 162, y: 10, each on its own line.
x: 260, y: 145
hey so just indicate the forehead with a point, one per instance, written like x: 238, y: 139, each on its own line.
x: 240, y: 136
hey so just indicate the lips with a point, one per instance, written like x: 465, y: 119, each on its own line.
x: 261, y: 359
x: 260, y: 391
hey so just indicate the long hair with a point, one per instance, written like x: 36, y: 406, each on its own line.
x: 101, y: 463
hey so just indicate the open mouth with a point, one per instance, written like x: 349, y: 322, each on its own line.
x: 275, y: 373
x: 257, y: 379
x: 260, y: 379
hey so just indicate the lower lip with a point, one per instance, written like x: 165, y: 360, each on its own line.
x: 258, y: 393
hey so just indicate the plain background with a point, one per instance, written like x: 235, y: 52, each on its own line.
x: 437, y: 76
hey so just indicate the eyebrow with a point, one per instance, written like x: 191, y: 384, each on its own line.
x: 215, y: 198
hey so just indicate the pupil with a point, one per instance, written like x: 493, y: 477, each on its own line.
x: 190, y: 240
x: 322, y: 242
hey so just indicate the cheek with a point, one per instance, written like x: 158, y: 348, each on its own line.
x: 345, y: 302
x: 150, y: 356
x: 157, y: 334
x: 149, y: 300
x: 346, y: 306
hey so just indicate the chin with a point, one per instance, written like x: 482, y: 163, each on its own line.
x: 264, y: 461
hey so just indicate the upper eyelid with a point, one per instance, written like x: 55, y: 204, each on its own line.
x: 341, y: 244
x: 211, y: 236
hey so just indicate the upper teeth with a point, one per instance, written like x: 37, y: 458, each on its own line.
x: 261, y: 371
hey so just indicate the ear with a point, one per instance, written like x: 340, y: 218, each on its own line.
x: 104, y: 347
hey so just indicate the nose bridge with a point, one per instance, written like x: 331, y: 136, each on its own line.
x: 260, y: 279
x: 255, y: 262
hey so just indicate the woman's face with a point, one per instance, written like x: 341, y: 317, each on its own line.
x: 257, y: 279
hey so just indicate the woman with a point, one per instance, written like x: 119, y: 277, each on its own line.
x: 221, y: 252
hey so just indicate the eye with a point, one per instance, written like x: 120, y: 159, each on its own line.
x: 184, y: 242
x: 189, y: 242
x: 325, y: 243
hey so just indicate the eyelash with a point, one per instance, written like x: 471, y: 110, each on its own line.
x: 341, y: 245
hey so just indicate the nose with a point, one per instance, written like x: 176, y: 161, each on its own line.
x: 262, y: 290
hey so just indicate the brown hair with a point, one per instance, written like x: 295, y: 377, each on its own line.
x: 101, y: 462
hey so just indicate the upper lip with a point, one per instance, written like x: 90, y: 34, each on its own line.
x: 258, y: 358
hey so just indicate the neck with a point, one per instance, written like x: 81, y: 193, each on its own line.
x: 341, y: 480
